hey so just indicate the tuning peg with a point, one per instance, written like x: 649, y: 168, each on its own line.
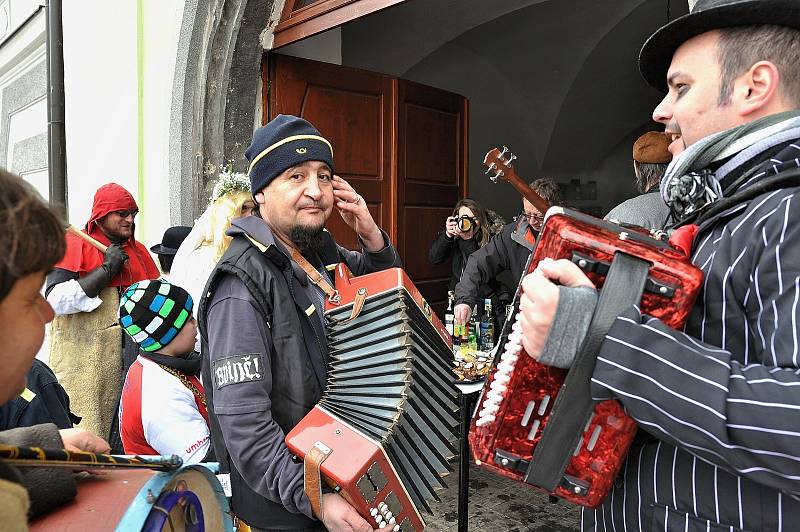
x: 505, y: 149
x: 490, y: 168
x: 495, y: 176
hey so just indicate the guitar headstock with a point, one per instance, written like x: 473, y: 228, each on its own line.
x: 498, y: 164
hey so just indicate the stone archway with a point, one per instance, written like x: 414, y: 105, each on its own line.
x: 216, y: 92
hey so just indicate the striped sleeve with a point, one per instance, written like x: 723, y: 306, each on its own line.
x: 737, y: 408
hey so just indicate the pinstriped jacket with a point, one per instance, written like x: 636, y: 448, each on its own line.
x: 720, y: 402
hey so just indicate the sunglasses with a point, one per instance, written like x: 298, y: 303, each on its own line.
x: 125, y: 214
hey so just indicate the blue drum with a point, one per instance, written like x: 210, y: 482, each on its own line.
x: 188, y: 499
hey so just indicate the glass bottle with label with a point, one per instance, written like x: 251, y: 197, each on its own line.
x: 474, y: 329
x: 456, y: 339
x: 486, y: 340
x: 448, y: 314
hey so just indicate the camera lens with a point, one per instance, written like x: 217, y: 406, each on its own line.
x: 464, y: 224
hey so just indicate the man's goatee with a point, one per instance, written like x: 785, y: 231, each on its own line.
x: 307, y: 239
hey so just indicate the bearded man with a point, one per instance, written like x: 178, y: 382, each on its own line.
x: 261, y: 310
x: 87, y: 344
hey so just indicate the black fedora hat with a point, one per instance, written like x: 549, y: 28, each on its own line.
x: 707, y: 15
x: 171, y: 241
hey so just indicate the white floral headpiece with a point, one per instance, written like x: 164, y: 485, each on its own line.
x: 229, y: 182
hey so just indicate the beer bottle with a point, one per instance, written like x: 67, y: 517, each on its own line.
x: 474, y: 329
x: 487, y: 327
x: 465, y: 347
x: 448, y: 314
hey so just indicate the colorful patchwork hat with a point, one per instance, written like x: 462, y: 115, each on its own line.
x: 152, y: 312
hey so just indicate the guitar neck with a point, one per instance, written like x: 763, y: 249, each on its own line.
x: 527, y: 192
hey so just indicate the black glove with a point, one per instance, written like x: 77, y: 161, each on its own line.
x: 97, y: 279
x: 115, y: 258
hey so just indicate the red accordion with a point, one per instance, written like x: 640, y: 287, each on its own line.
x: 385, y: 430
x: 537, y: 423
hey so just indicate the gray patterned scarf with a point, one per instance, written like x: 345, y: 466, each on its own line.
x: 689, y: 185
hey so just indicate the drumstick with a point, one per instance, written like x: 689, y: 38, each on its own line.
x: 80, y: 234
x: 38, y: 457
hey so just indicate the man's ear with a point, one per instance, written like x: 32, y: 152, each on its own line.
x: 259, y: 198
x: 758, y: 89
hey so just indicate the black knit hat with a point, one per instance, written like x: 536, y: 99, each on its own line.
x: 284, y: 142
x: 706, y: 15
x: 152, y: 312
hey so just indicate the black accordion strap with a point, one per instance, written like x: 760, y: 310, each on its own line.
x: 573, y: 407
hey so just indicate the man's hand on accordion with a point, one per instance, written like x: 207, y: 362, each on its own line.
x: 556, y: 292
x: 339, y: 516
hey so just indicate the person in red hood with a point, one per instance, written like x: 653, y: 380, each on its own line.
x: 87, y: 351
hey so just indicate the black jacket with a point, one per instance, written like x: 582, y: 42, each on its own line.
x: 45, y: 402
x: 500, y: 262
x: 257, y: 314
x: 445, y: 248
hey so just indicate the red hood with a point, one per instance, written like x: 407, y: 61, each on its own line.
x: 82, y: 257
x: 109, y: 198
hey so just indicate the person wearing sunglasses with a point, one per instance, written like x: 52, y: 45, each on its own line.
x: 504, y: 257
x: 88, y: 352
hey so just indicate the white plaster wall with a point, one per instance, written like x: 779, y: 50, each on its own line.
x: 100, y: 87
x: 15, y: 13
x: 102, y: 104
x: 18, y: 56
x: 162, y: 22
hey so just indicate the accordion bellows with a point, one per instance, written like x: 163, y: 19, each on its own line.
x: 389, y: 381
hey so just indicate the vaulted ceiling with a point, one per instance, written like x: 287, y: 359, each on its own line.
x: 557, y: 79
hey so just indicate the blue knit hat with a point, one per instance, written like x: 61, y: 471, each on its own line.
x: 153, y: 312
x: 284, y: 142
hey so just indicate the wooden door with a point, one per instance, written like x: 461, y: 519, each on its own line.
x: 353, y: 110
x: 432, y: 177
x: 402, y: 145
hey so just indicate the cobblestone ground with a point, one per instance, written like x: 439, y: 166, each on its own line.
x: 498, y: 504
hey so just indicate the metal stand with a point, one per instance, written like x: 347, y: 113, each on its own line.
x: 469, y: 397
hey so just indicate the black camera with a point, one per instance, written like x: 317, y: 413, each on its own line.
x: 465, y: 223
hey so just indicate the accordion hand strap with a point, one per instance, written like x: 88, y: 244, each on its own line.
x: 358, y: 305
x: 623, y: 287
x: 312, y: 478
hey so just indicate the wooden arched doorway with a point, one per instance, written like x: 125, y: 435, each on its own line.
x: 402, y: 145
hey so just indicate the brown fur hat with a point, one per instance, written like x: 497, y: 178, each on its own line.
x: 652, y: 148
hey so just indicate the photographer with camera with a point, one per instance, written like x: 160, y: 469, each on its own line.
x: 468, y: 229
x: 504, y: 257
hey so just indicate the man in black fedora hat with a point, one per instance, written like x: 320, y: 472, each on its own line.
x: 718, y: 403
x: 170, y: 242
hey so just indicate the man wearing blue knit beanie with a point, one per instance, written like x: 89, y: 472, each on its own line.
x: 265, y: 351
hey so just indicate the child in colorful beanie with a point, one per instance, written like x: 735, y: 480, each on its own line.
x: 163, y: 407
